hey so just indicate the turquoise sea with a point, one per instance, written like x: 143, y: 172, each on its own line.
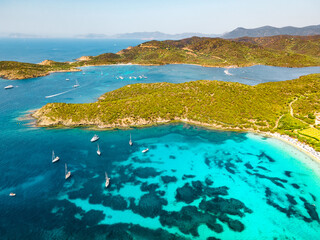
x: 193, y: 183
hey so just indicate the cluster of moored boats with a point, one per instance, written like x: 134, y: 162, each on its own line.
x: 132, y: 77
x: 68, y: 173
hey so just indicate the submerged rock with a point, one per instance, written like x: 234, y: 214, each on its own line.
x: 220, y: 205
x: 146, y: 172
x: 145, y: 187
x: 186, y: 194
x: 168, y: 179
x: 150, y: 205
x: 189, y: 219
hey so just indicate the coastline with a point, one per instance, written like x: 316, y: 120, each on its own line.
x: 305, y: 148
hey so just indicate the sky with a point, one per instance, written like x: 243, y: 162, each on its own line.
x: 67, y: 18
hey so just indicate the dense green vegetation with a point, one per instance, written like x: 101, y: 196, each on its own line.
x: 218, y: 104
x: 211, y: 52
x: 287, y: 122
x: 284, y: 51
x: 308, y: 45
x: 18, y: 70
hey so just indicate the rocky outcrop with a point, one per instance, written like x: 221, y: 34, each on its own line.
x: 84, y: 58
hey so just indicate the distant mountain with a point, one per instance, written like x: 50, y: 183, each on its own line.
x: 92, y: 36
x: 22, y: 35
x: 161, y: 36
x: 272, y: 31
x: 147, y: 36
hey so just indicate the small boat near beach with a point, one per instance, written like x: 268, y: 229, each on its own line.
x: 12, y: 194
x: 130, y: 141
x: 94, y: 138
x: 145, y: 150
x: 107, y: 180
x: 54, y: 158
x: 8, y: 87
x: 67, y: 173
x: 226, y: 71
x: 98, y: 151
x: 77, y: 84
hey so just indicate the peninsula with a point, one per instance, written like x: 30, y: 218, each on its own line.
x: 282, y: 51
x: 288, y: 107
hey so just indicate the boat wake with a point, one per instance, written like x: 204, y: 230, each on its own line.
x: 226, y: 71
x: 54, y: 95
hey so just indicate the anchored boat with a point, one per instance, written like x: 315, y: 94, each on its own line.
x: 94, y: 138
x: 54, y: 158
x: 67, y: 173
x: 107, y: 180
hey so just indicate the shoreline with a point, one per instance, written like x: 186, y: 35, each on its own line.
x: 305, y: 148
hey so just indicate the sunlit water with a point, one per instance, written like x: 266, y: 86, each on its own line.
x: 192, y: 183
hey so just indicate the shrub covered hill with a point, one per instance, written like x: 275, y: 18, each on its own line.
x: 284, y: 51
x: 288, y: 106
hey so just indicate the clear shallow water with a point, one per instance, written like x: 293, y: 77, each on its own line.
x: 193, y: 183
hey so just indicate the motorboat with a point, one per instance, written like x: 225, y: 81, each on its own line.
x: 8, y: 87
x: 145, y: 150
x: 94, y: 138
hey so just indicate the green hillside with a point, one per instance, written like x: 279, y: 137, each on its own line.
x: 225, y: 105
x: 283, y: 51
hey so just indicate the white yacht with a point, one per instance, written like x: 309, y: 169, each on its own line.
x: 12, y: 194
x: 54, y: 158
x: 67, y: 79
x: 130, y: 141
x: 94, y: 138
x: 67, y: 173
x: 8, y: 87
x: 145, y: 150
x: 98, y: 151
x: 107, y: 180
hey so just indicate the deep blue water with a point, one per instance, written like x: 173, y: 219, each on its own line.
x: 193, y: 183
x: 37, y: 50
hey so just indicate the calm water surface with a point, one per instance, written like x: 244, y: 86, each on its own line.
x: 193, y: 183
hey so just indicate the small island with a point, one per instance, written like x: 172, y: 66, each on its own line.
x: 288, y: 107
x: 281, y: 51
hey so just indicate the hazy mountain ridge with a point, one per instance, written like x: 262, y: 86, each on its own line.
x: 147, y: 36
x: 156, y: 35
x: 272, y: 31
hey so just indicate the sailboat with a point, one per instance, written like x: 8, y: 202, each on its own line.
x: 77, y: 84
x: 107, y: 180
x: 130, y: 141
x: 98, y: 151
x: 67, y: 173
x: 54, y: 158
